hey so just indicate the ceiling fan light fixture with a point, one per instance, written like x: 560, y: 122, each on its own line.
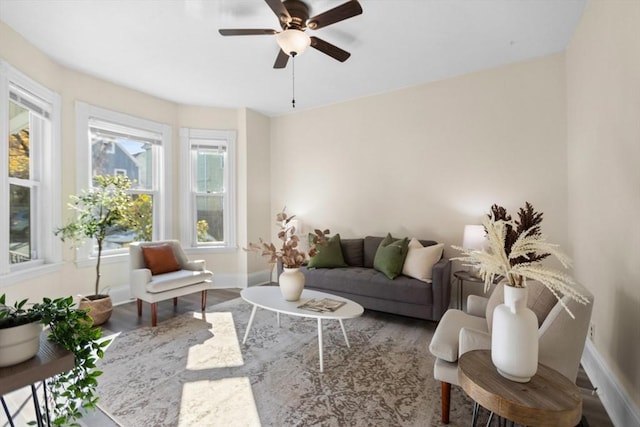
x: 293, y: 41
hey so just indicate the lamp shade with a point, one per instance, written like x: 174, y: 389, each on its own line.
x: 474, y: 237
x: 293, y: 41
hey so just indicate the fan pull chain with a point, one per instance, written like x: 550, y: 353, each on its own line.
x: 293, y: 79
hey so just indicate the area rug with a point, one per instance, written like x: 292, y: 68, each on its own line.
x: 194, y: 371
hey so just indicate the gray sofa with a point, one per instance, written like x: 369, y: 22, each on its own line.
x: 360, y: 282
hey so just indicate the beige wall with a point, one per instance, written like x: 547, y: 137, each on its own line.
x: 427, y: 160
x: 259, y: 217
x: 603, y: 75
x: 75, y: 86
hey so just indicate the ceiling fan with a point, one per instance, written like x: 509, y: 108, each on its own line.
x: 294, y: 20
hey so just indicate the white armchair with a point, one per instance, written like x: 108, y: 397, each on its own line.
x: 560, y: 338
x: 161, y: 270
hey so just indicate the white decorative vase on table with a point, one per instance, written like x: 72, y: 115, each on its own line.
x: 291, y: 283
x: 514, y: 337
x: 19, y: 343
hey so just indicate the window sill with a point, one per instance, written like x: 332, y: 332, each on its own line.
x: 210, y: 250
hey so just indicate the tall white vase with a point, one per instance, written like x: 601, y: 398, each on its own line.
x: 514, y: 337
x: 291, y: 283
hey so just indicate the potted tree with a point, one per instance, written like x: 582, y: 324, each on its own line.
x: 70, y: 328
x: 97, y: 211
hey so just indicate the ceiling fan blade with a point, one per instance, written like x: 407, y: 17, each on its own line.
x: 327, y: 48
x: 281, y: 60
x: 278, y: 8
x: 245, y: 32
x: 340, y: 13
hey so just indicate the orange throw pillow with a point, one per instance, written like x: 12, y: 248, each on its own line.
x: 160, y: 259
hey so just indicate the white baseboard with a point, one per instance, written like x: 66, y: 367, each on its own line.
x: 120, y: 295
x: 622, y: 411
x: 259, y: 278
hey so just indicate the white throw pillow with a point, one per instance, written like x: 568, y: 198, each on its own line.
x: 420, y: 260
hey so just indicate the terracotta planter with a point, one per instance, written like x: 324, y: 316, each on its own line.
x: 99, y: 306
x: 19, y: 343
x: 291, y: 284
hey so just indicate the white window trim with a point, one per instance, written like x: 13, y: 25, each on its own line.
x: 186, y: 195
x: 50, y: 253
x: 162, y: 170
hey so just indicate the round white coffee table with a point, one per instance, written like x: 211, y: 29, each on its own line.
x: 270, y: 298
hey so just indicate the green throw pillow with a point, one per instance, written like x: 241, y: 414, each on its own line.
x: 329, y: 256
x: 390, y: 256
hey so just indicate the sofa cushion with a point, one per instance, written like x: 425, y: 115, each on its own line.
x: 329, y: 255
x: 420, y: 260
x: 176, y: 279
x: 369, y: 282
x: 445, y: 341
x: 353, y: 251
x: 390, y: 256
x: 160, y: 259
x: 371, y: 244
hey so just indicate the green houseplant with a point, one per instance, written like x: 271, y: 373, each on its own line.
x: 72, y: 329
x: 97, y: 211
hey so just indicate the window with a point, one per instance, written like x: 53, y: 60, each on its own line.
x: 208, y: 178
x: 112, y: 143
x: 30, y: 168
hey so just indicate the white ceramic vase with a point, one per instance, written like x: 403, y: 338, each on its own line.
x: 291, y: 284
x: 19, y: 343
x: 514, y: 337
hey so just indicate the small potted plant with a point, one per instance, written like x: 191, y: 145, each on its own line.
x: 292, y: 257
x: 97, y: 211
x: 514, y: 251
x: 70, y: 328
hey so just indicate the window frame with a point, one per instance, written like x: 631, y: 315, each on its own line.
x: 86, y: 115
x: 48, y: 183
x: 188, y: 234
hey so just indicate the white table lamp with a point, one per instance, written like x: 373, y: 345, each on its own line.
x: 474, y: 237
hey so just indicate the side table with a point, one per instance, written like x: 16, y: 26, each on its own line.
x: 464, y: 276
x: 51, y: 360
x: 549, y: 399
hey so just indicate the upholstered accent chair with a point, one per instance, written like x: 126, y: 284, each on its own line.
x: 560, y: 338
x: 161, y: 270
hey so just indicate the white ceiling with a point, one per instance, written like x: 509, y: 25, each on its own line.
x: 172, y: 49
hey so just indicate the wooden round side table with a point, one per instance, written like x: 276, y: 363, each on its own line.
x: 549, y: 399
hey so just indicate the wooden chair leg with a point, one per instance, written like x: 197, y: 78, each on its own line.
x: 139, y: 307
x: 446, y: 401
x: 204, y: 300
x: 175, y: 301
x: 154, y: 313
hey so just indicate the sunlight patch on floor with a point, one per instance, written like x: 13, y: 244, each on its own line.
x: 111, y: 338
x: 222, y: 350
x: 230, y: 400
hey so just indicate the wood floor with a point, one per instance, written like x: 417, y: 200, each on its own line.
x: 125, y: 318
